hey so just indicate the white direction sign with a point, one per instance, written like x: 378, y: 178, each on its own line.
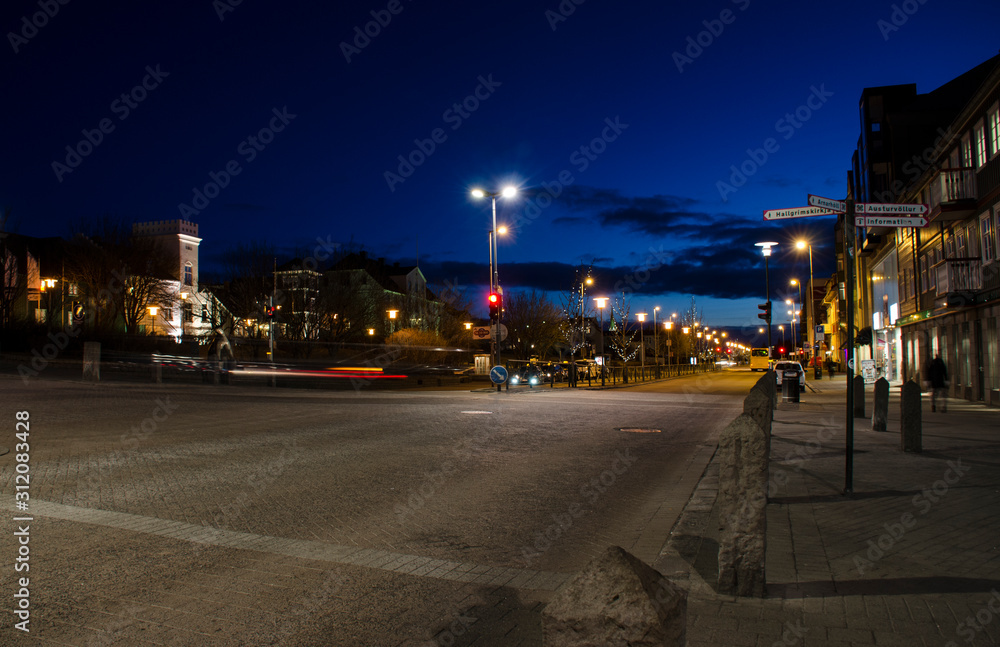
x: 827, y: 203
x: 796, y: 212
x: 892, y: 209
x: 890, y: 221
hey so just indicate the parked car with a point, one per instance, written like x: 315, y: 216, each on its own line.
x: 781, y: 367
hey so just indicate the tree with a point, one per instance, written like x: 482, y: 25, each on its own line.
x: 119, y: 273
x: 621, y: 338
x: 248, y: 269
x: 11, y: 287
x: 575, y: 309
x: 533, y: 323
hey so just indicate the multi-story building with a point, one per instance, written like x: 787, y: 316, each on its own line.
x: 184, y: 309
x: 932, y: 290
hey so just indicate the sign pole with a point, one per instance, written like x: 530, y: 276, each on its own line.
x: 849, y: 280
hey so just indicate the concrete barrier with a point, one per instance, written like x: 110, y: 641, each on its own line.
x: 743, y: 476
x: 880, y: 408
x: 92, y: 361
x: 617, y: 599
x: 911, y: 433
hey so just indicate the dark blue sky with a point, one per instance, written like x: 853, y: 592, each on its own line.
x: 670, y: 117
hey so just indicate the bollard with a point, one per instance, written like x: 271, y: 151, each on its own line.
x: 157, y: 373
x: 859, y: 396
x: 911, y: 438
x: 92, y: 361
x: 880, y: 409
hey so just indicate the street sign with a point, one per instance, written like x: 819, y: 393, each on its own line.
x: 503, y: 332
x: 820, y: 333
x: 891, y: 221
x: 796, y: 212
x: 498, y: 375
x: 481, y: 332
x: 827, y: 203
x: 892, y: 209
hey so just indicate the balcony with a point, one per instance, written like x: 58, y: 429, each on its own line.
x: 953, y: 194
x: 959, y: 281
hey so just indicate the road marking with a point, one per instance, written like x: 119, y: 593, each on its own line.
x: 404, y: 564
x: 478, y: 413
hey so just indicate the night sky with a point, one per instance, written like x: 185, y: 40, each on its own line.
x: 618, y: 122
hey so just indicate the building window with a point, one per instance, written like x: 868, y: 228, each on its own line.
x: 967, y: 151
x: 924, y: 283
x: 988, y: 234
x: 188, y: 274
x: 204, y: 312
x: 994, y: 120
x: 72, y: 290
x: 168, y: 314
x: 980, y: 132
x: 188, y: 313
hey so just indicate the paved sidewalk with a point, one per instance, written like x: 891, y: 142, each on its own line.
x: 912, y: 558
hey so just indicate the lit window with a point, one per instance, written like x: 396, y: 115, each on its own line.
x: 988, y: 231
x: 994, y: 120
x: 188, y: 275
x: 980, y: 144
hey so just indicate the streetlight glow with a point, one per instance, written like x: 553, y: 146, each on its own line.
x: 509, y: 192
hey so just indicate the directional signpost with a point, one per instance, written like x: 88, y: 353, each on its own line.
x: 890, y: 221
x: 916, y: 209
x: 827, y: 203
x: 796, y: 212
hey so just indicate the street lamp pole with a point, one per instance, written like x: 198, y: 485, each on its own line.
x: 810, y: 306
x: 656, y: 345
x: 601, y: 303
x: 507, y: 192
x: 642, y: 341
x: 766, y: 250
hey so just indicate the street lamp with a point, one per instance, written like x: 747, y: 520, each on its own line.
x: 602, y: 302
x: 668, y: 326
x: 656, y: 346
x: 641, y: 316
x: 765, y: 249
x: 810, y: 307
x: 392, y: 319
x: 507, y: 192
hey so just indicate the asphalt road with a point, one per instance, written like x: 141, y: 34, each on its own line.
x: 216, y: 515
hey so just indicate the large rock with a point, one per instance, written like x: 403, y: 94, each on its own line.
x: 616, y: 601
x: 910, y: 420
x: 743, y: 476
x: 880, y: 408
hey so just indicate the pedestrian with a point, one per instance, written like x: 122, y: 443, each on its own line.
x: 830, y: 367
x: 939, y: 383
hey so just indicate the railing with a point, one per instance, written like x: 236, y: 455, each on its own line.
x: 953, y: 185
x: 959, y: 275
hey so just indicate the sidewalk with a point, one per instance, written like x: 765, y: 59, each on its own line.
x: 912, y: 558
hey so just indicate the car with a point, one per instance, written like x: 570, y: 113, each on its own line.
x: 781, y: 367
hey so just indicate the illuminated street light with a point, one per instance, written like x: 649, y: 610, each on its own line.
x: 602, y: 302
x: 507, y: 192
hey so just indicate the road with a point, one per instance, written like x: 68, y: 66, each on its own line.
x: 217, y: 515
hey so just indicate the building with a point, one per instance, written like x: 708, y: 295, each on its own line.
x: 933, y: 290
x: 181, y: 309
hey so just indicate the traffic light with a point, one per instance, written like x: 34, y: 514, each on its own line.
x: 765, y: 312
x: 269, y: 311
x: 495, y: 305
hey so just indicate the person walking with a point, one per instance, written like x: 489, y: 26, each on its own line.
x: 939, y: 383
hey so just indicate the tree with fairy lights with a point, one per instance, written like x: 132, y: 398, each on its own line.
x: 621, y: 337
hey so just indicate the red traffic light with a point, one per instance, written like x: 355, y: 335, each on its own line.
x: 494, y: 297
x: 781, y: 350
